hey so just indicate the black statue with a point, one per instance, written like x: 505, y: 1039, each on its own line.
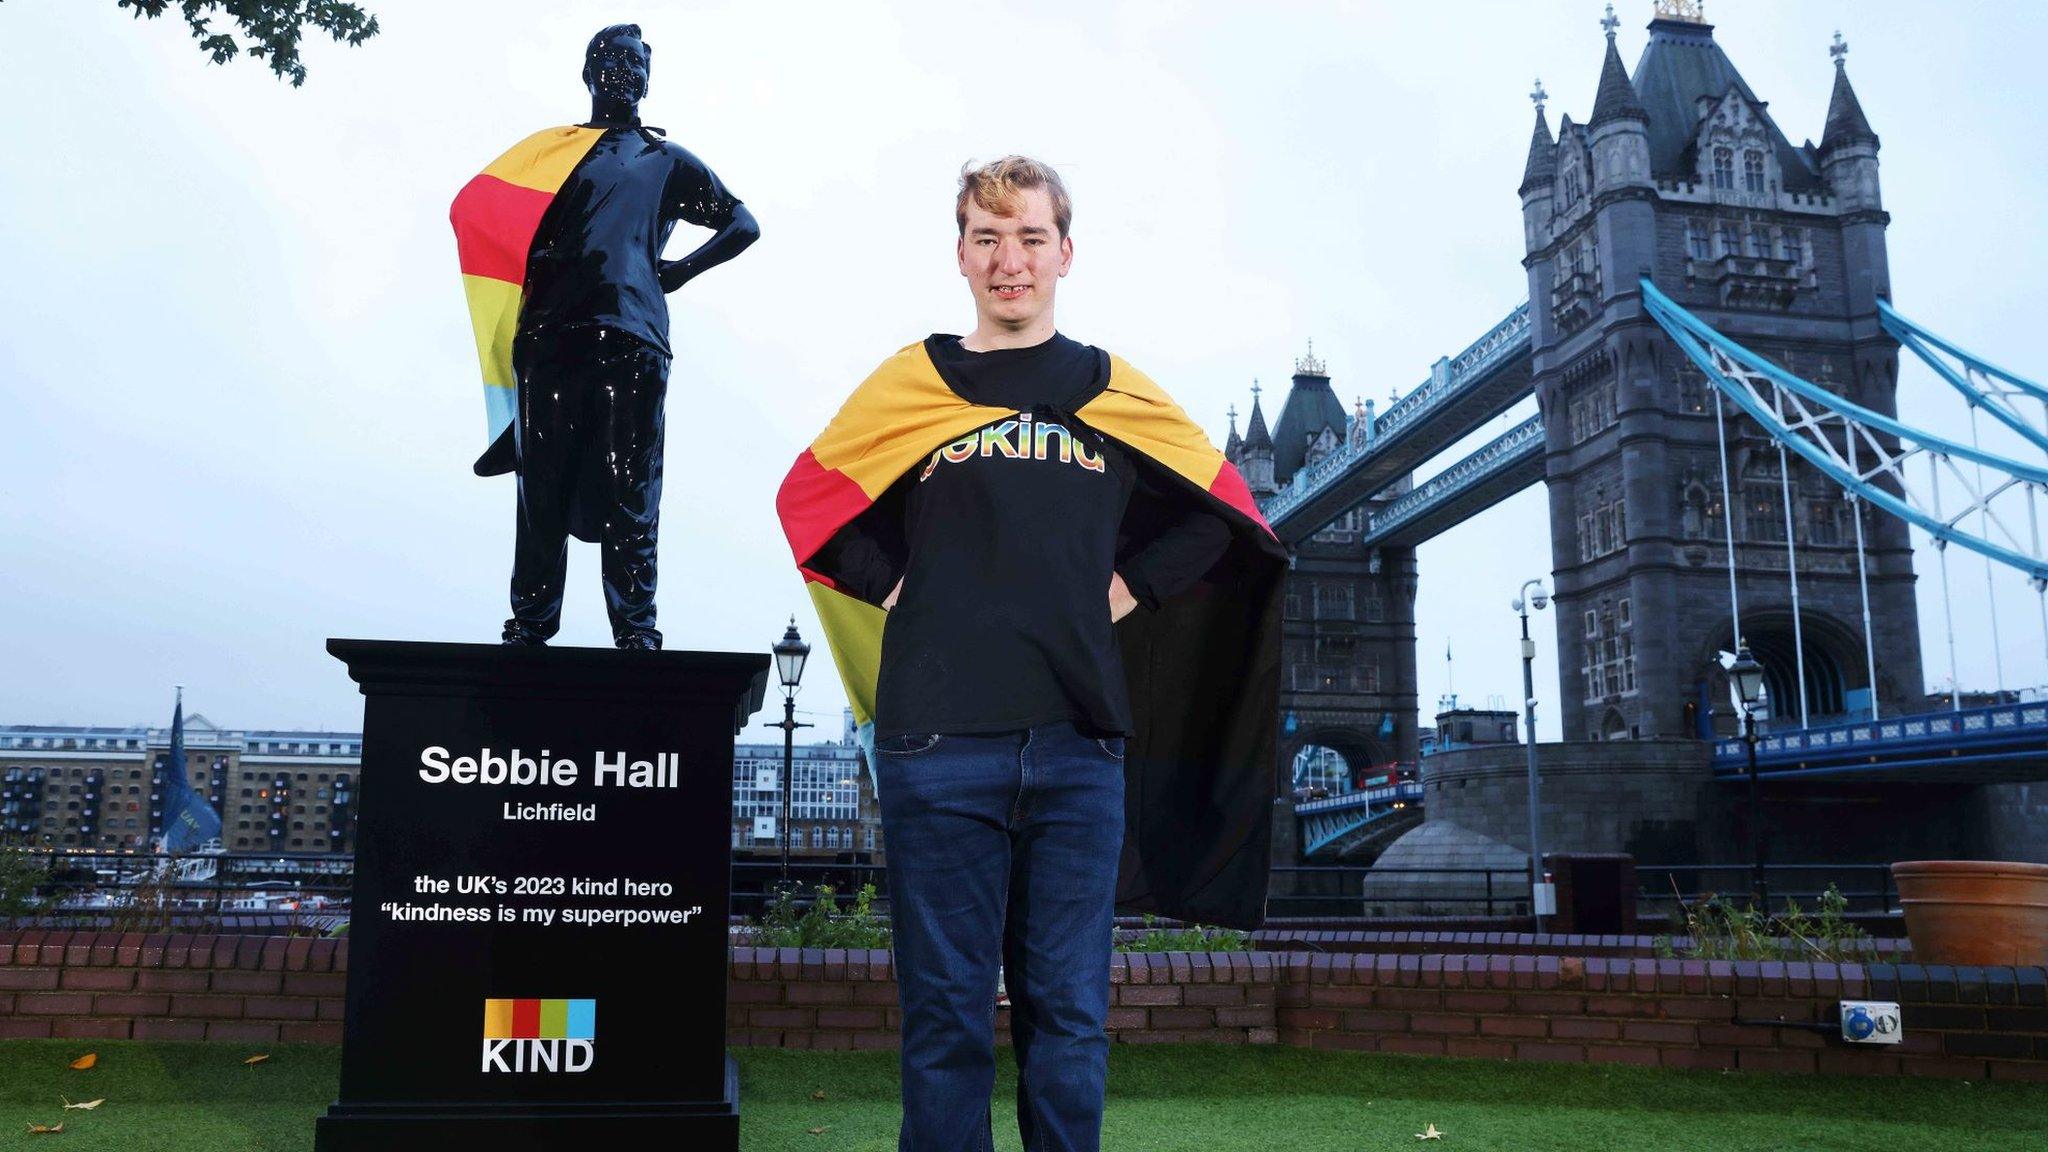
x: 590, y: 208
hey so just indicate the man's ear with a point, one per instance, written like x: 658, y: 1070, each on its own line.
x: 960, y: 252
x: 1066, y: 254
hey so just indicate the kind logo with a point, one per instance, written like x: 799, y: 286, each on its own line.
x: 539, y: 1035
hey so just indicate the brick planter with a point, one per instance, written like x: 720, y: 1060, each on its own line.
x: 100, y: 985
x: 1442, y: 996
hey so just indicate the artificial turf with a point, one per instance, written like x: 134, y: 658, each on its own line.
x: 179, y: 1097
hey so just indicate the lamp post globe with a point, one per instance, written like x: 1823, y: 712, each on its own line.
x: 1748, y: 676
x: 790, y: 654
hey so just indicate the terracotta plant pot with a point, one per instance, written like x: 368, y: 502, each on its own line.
x: 1990, y: 912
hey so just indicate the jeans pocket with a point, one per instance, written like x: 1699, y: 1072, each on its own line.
x: 1112, y: 745
x: 908, y: 744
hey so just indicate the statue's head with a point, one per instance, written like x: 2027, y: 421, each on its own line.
x: 616, y: 63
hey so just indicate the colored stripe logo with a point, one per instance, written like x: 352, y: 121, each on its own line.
x: 540, y: 1019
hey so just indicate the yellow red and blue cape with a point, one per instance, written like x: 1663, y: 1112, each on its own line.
x: 1201, y: 769
x: 496, y: 216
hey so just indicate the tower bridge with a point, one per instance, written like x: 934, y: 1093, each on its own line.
x: 1708, y: 332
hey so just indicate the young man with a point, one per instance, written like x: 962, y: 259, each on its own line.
x: 1055, y: 607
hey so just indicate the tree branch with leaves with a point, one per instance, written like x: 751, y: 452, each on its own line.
x: 272, y: 28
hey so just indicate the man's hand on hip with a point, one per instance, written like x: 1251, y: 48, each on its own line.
x: 1120, y: 599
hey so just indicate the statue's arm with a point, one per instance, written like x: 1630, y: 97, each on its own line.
x: 731, y: 240
x: 696, y: 196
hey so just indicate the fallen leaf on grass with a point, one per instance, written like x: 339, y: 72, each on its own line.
x: 1429, y: 1133
x: 818, y: 1095
x: 86, y: 1061
x: 257, y: 1059
x: 86, y: 1106
x: 45, y: 1129
x: 820, y: 1130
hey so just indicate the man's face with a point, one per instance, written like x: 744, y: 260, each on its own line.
x: 1014, y: 263
x: 618, y: 70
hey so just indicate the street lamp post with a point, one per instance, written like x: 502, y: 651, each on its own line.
x: 1521, y: 604
x: 790, y: 654
x: 1748, y: 676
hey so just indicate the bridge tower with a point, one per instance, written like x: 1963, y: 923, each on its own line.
x: 1348, y: 633
x: 1681, y: 175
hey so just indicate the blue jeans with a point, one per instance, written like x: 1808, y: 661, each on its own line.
x: 1002, y: 846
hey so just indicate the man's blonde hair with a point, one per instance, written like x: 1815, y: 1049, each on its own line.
x: 999, y: 187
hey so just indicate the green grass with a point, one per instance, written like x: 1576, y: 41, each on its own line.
x: 165, y: 1097
x: 180, y: 1097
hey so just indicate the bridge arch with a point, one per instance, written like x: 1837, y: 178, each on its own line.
x: 1358, y: 751
x: 1835, y: 671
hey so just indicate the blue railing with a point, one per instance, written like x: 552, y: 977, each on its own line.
x: 1451, y: 376
x: 1924, y: 732
x: 1515, y: 446
x: 1363, y: 798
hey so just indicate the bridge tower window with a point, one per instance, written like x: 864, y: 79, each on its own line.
x: 1752, y: 171
x: 1692, y: 389
x: 1724, y: 169
x: 1697, y: 245
x: 1333, y: 601
x: 1610, y: 649
x: 1763, y: 512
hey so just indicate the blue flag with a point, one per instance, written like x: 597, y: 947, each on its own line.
x: 189, y: 821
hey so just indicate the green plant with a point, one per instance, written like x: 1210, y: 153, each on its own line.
x: 1192, y: 938
x: 145, y: 907
x: 1721, y: 929
x: 823, y: 924
x: 20, y: 874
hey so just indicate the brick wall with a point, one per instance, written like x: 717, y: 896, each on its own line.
x: 1499, y: 943
x: 1973, y: 1023
x: 103, y: 985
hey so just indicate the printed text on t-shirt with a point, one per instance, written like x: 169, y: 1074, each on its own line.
x: 1020, y: 439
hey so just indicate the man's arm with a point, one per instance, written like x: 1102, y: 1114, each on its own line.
x: 1185, y: 546
x: 868, y: 556
x: 695, y: 195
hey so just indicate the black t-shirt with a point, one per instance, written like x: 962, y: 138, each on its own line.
x: 1005, y: 540
x: 597, y: 259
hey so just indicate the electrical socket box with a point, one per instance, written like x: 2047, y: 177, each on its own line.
x: 1871, y: 1022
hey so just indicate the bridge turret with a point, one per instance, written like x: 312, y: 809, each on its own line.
x: 1539, y: 177
x: 1620, y: 125
x: 1848, y: 161
x: 1255, y: 457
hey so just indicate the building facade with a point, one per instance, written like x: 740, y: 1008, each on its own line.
x: 833, y: 811
x: 102, y: 788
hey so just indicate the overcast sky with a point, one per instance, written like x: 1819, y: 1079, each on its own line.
x: 241, y: 397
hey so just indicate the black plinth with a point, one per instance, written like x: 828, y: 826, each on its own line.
x: 537, y: 940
